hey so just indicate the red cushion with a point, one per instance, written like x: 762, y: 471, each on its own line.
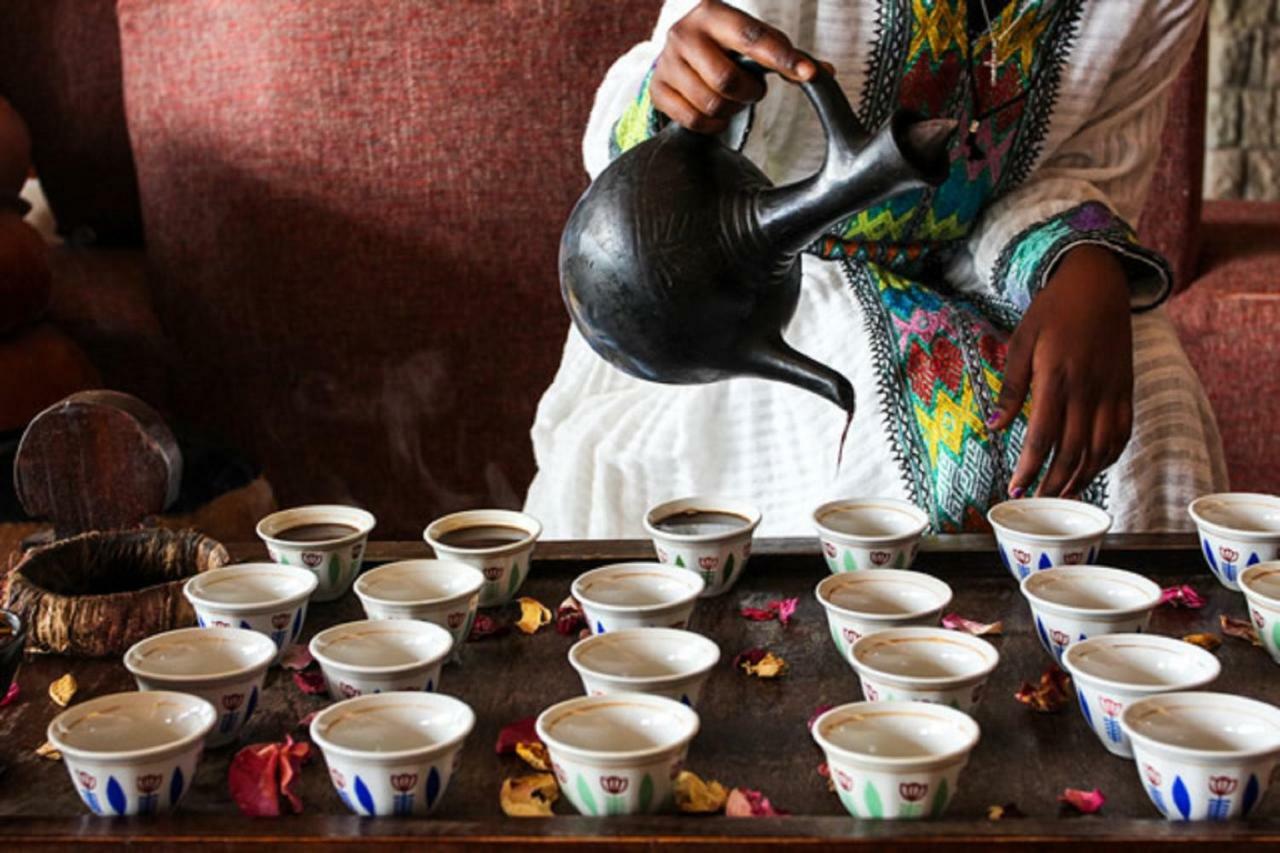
x: 1227, y: 323
x: 60, y: 68
x: 353, y: 213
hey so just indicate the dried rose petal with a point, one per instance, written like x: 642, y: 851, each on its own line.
x: 745, y: 802
x: 260, y: 774
x: 534, y: 753
x: 786, y: 610
x: 818, y: 712
x: 1049, y: 695
x: 1204, y: 640
x: 296, y: 657
x: 1239, y: 629
x: 825, y: 772
x: 533, y: 615
x: 781, y: 609
x: 11, y: 695
x: 49, y: 751
x: 305, y: 722
x: 956, y: 622
x: 1085, y: 802
x: 757, y: 614
x: 63, y: 690
x: 569, y: 618
x: 521, y: 731
x: 761, y: 663
x: 750, y: 656
x: 486, y: 626
x: 1182, y: 596
x: 310, y: 681
x: 1008, y: 811
x: 694, y: 796
x: 530, y: 795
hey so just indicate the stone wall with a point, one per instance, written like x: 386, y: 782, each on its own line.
x: 1243, y: 160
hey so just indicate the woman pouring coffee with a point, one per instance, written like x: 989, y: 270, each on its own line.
x: 1002, y: 330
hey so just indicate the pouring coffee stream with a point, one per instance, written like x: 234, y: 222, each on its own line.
x: 681, y: 262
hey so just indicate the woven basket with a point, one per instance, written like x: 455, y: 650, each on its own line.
x: 96, y: 594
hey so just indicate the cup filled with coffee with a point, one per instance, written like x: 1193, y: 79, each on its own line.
x: 498, y: 542
x: 707, y: 535
x: 328, y: 539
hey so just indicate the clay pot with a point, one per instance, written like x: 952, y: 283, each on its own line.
x: 37, y: 369
x: 96, y: 594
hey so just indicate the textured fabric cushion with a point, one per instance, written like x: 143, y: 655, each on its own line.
x: 1228, y: 323
x: 60, y: 68
x: 353, y: 214
x: 1170, y: 220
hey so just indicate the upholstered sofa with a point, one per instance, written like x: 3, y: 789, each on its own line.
x: 326, y: 231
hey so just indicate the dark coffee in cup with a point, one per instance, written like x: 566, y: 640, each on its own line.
x: 319, y: 532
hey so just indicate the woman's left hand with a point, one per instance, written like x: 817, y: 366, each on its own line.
x: 1074, y: 347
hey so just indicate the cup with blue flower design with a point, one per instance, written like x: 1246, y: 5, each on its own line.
x: 393, y: 754
x: 618, y: 754
x: 1237, y: 530
x: 1074, y: 603
x: 1111, y: 671
x: 265, y: 597
x: 1033, y: 534
x: 133, y: 753
x: 1203, y: 756
x: 327, y: 539
x: 497, y: 542
x: 869, y: 533
x: 223, y: 666
x: 895, y: 760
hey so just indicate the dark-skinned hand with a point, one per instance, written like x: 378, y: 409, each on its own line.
x: 1073, y: 353
x: 695, y: 81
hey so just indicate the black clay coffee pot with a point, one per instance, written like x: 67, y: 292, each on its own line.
x: 681, y: 261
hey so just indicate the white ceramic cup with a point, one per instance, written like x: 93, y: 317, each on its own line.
x: 660, y: 661
x: 1203, y: 756
x: 894, y: 760
x: 223, y: 666
x: 1260, y: 584
x: 1111, y: 671
x: 618, y: 754
x: 1073, y: 603
x: 1039, y: 533
x: 870, y: 600
x: 381, y: 656
x: 443, y: 592
x: 869, y: 533
x: 335, y: 560
x: 503, y: 566
x: 393, y: 753
x: 133, y: 753
x: 1237, y: 530
x: 264, y: 597
x: 637, y: 595
x: 924, y: 665
x: 717, y: 551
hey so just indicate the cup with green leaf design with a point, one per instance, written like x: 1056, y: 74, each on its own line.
x: 707, y: 535
x: 870, y: 600
x: 924, y: 665
x: 1261, y: 586
x: 895, y: 760
x: 326, y: 539
x: 498, y: 542
x: 869, y: 533
x: 618, y: 754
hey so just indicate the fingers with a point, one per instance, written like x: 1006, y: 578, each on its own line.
x: 738, y: 31
x: 678, y: 109
x: 1044, y: 428
x: 1112, y: 425
x: 709, y: 103
x: 716, y: 71
x: 1017, y: 379
x: 1072, y: 451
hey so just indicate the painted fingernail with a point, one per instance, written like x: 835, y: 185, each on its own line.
x: 994, y: 417
x: 1017, y: 492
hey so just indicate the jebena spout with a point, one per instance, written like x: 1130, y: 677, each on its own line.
x: 775, y: 359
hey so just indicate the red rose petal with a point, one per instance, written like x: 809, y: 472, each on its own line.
x: 521, y: 731
x: 781, y: 609
x: 292, y: 757
x: 569, y: 618
x: 310, y: 681
x: 745, y: 802
x: 485, y: 626
x: 758, y: 614
x: 297, y: 658
x: 11, y: 695
x: 1085, y: 802
x: 252, y: 780
x: 1182, y: 596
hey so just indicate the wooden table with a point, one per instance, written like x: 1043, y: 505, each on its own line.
x: 753, y: 732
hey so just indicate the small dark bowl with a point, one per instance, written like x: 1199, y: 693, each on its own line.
x: 11, y: 650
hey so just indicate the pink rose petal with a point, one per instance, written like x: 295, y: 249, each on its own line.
x: 745, y: 802
x: 781, y: 609
x: 1085, y: 802
x: 956, y: 622
x: 1182, y: 596
x: 786, y: 609
x: 11, y: 695
x: 296, y: 657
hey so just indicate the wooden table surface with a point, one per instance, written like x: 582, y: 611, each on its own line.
x: 753, y: 732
